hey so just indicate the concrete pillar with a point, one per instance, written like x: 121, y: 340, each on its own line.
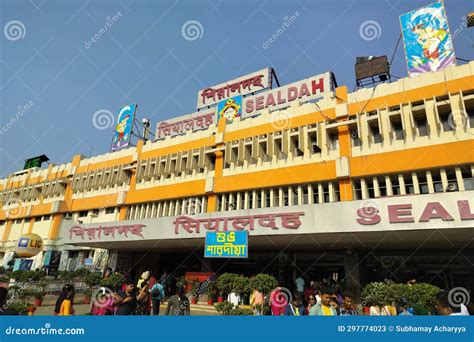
x: 352, y: 273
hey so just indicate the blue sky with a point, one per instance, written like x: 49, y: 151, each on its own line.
x: 144, y: 58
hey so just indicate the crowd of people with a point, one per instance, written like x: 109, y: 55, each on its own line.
x: 144, y: 297
x: 326, y: 299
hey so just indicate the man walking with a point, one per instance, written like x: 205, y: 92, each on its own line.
x: 157, y: 293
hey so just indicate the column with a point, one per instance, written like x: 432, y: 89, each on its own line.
x: 352, y: 273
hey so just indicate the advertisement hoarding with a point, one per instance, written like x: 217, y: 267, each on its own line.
x: 426, y: 38
x: 123, y: 129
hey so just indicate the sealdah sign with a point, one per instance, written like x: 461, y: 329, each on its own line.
x: 402, y: 213
x: 305, y: 90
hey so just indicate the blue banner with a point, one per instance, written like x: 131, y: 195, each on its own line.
x: 257, y: 328
x: 226, y: 245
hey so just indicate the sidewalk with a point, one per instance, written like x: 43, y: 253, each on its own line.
x: 47, y: 308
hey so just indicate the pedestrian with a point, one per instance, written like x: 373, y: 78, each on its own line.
x: 233, y: 298
x: 157, y: 293
x: 4, y: 311
x: 309, y: 291
x: 60, y: 299
x: 104, y: 305
x: 256, y: 301
x: 126, y: 301
x: 311, y: 302
x: 299, y: 282
x: 334, y: 302
x: 404, y: 309
x: 348, y: 308
x: 178, y: 304
x: 278, y: 302
x: 323, y: 308
x: 142, y: 300
x: 296, y: 307
x: 66, y: 308
x: 108, y: 273
x: 444, y: 306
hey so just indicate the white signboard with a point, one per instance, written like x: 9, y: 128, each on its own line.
x: 402, y: 213
x: 305, y: 90
x: 186, y: 123
x: 257, y: 81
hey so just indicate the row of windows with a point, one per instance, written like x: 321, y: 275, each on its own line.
x: 176, y: 165
x: 420, y: 182
x: 47, y: 189
x: 443, y: 118
x: 182, y: 206
x: 106, y: 178
x: 279, y: 197
x: 297, y: 142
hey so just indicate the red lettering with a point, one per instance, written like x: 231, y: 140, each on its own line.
x: 465, y: 211
x: 304, y: 91
x: 259, y: 103
x: 368, y: 216
x: 435, y: 210
x: 280, y: 100
x: 292, y: 93
x: 317, y: 86
x: 399, y: 213
x: 249, y: 107
x: 270, y: 101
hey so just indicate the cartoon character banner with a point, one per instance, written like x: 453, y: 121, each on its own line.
x: 123, y: 130
x: 230, y: 109
x: 428, y: 44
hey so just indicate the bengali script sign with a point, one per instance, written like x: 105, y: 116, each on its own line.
x: 96, y: 233
x: 226, y: 244
x: 193, y: 123
x: 248, y: 222
x: 241, y: 86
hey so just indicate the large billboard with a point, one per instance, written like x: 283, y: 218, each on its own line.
x: 123, y: 129
x: 427, y: 41
x: 244, y: 85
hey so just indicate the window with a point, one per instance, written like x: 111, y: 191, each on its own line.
x: 83, y: 213
x: 444, y: 118
x: 470, y: 115
x: 421, y: 126
x: 467, y: 177
x: 409, y: 187
x: 395, y: 185
x: 398, y: 130
x: 357, y: 189
x: 313, y: 142
x: 46, y: 217
x: 375, y: 132
x: 305, y: 194
x: 334, y: 141
x: 437, y: 183
x: 110, y: 210
x: 423, y: 183
x: 382, y: 186
x: 355, y: 139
